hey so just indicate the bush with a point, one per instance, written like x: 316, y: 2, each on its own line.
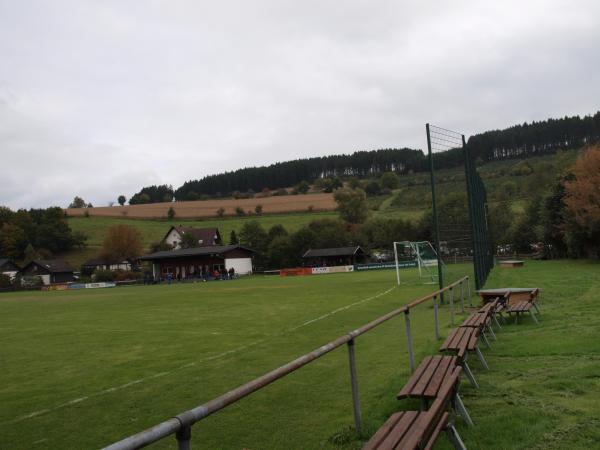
x: 171, y: 213
x: 372, y: 188
x: 126, y: 275
x: 389, y: 180
x: 258, y: 209
x: 303, y: 187
x: 239, y: 211
x: 5, y: 281
x: 31, y: 282
x: 220, y: 212
x: 100, y: 275
x: 523, y: 168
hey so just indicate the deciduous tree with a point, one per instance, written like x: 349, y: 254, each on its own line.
x: 352, y: 204
x: 122, y: 242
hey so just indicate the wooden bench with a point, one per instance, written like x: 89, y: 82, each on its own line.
x: 495, y: 309
x: 417, y: 430
x: 526, y: 306
x: 482, y: 321
x: 461, y: 342
x: 426, y: 383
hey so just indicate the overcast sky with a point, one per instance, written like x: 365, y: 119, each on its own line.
x: 101, y: 98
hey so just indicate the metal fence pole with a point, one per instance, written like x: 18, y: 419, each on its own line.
x: 462, y: 298
x: 184, y: 438
x: 469, y: 291
x: 411, y: 356
x: 435, y: 318
x: 354, y: 384
x: 452, y: 306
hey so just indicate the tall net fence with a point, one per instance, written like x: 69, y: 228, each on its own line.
x: 459, y: 205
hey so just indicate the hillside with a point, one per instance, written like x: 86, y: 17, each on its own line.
x: 512, y: 182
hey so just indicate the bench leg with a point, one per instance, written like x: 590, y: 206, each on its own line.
x: 535, y: 305
x: 469, y: 375
x: 485, y: 339
x: 481, y: 358
x: 454, y: 438
x: 489, y: 327
x: 516, y: 318
x: 533, y: 316
x: 462, y: 411
x: 496, y: 320
x: 423, y: 404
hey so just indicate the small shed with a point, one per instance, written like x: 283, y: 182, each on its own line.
x: 199, y: 261
x: 339, y: 256
x: 49, y: 270
x: 8, y: 268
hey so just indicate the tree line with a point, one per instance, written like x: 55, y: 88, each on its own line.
x: 37, y: 233
x: 519, y: 141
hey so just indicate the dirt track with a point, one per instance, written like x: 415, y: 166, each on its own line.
x: 208, y: 208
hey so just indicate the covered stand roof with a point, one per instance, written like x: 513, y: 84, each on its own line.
x: 339, y: 251
x: 51, y: 265
x: 196, y: 251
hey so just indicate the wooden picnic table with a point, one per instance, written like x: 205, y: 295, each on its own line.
x: 515, y: 294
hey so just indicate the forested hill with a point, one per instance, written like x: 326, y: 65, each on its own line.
x: 519, y: 141
x: 289, y: 173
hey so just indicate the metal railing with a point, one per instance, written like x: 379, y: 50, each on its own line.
x: 181, y: 425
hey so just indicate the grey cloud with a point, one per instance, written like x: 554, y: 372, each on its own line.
x: 102, y: 98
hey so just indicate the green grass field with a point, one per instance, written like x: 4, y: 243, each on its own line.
x: 84, y: 368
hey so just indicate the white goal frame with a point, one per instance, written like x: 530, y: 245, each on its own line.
x: 421, y: 263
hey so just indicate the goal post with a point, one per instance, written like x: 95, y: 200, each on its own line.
x: 423, y: 253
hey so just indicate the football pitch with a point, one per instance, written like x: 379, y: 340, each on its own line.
x: 81, y: 369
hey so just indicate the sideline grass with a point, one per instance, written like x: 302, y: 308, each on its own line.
x: 58, y: 347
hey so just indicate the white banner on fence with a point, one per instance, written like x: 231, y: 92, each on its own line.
x: 109, y: 284
x: 334, y: 269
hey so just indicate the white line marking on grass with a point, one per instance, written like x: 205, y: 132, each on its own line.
x: 191, y: 364
x: 343, y: 308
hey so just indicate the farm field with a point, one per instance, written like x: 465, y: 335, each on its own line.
x: 84, y: 368
x: 208, y: 208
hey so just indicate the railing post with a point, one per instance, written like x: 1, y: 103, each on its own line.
x: 462, y: 298
x: 451, y: 306
x: 435, y: 318
x: 411, y: 356
x: 469, y: 291
x: 184, y: 437
x: 354, y: 384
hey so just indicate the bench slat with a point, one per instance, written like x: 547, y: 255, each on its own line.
x: 414, y: 379
x: 446, y: 367
x: 402, y: 428
x: 385, y: 429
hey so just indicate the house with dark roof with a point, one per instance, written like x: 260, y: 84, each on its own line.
x: 197, y: 262
x: 88, y: 267
x: 8, y: 268
x: 339, y: 256
x: 50, y: 271
x: 204, y: 237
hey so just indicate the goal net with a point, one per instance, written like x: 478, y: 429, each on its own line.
x: 421, y: 252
